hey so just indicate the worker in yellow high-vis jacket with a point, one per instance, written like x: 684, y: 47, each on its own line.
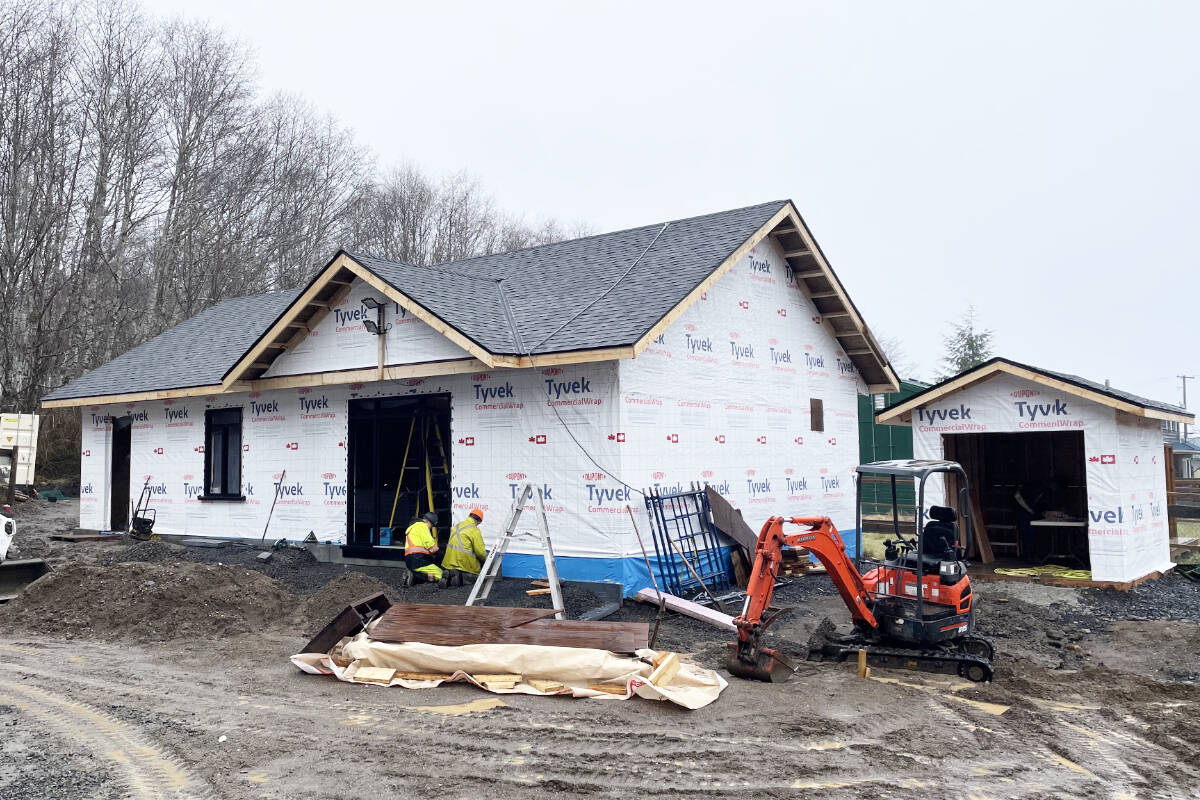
x: 420, y: 551
x: 465, y: 552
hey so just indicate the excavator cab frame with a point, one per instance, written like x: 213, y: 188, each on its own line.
x: 919, y: 470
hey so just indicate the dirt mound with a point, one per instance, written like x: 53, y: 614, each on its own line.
x: 151, y: 552
x: 328, y: 601
x: 151, y: 602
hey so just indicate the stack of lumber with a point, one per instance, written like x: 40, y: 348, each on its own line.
x: 458, y: 625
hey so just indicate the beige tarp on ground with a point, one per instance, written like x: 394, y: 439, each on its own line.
x: 574, y: 667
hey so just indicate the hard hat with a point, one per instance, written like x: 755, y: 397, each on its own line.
x: 430, y: 517
x: 477, y: 514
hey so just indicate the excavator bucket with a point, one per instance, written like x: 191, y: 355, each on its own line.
x: 770, y: 666
x: 15, y: 575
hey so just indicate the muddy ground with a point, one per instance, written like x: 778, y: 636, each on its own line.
x: 147, y: 670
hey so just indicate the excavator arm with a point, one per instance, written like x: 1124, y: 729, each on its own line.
x: 748, y: 658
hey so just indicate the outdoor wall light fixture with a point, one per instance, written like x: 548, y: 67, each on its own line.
x: 377, y: 328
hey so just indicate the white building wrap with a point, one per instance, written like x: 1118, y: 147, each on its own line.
x: 1126, y: 482
x: 722, y: 396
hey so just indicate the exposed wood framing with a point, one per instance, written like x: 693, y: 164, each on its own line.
x: 133, y: 397
x: 421, y: 313
x: 797, y: 253
x: 273, y: 334
x: 368, y: 374
x: 323, y: 310
x: 902, y: 414
x: 812, y: 273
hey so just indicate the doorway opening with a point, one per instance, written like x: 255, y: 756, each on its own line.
x: 118, y: 474
x: 399, y: 469
x: 1030, y: 490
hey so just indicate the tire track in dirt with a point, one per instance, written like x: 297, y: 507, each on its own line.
x: 145, y: 770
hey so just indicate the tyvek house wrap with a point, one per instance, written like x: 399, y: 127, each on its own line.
x: 1126, y: 483
x: 722, y: 396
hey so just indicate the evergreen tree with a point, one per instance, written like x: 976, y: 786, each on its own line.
x: 968, y: 345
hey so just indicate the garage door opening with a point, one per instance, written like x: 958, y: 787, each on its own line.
x: 399, y: 456
x: 1031, y: 493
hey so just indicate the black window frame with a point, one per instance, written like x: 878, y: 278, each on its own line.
x: 220, y: 421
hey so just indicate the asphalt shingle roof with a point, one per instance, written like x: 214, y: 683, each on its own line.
x: 197, y: 352
x: 596, y: 292
x: 599, y: 291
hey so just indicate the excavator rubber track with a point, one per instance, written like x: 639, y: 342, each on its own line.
x: 947, y: 662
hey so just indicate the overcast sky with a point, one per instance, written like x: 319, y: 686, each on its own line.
x: 1037, y: 159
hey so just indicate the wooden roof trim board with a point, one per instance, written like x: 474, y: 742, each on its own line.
x: 425, y: 369
x: 432, y: 320
x: 902, y: 414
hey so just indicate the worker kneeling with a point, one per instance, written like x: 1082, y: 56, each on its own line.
x: 420, y: 551
x: 465, y: 552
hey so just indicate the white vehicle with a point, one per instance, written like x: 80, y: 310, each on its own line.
x: 8, y: 529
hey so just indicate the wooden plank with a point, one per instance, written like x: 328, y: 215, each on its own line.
x: 539, y: 591
x: 609, y: 688
x: 1169, y: 468
x: 133, y: 397
x: 459, y: 625
x: 374, y: 674
x: 550, y: 687
x: 423, y: 676
x: 689, y: 609
x: 666, y: 669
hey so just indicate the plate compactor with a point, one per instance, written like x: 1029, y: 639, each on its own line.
x: 912, y: 610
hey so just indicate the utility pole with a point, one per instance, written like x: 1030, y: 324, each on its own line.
x: 1184, y: 379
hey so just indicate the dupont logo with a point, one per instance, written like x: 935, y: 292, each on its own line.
x: 254, y: 395
x: 354, y: 387
x: 708, y: 473
x: 789, y: 471
x: 516, y: 476
x: 411, y: 381
x: 189, y: 477
x: 550, y: 372
x: 1019, y: 393
x: 689, y: 327
x: 751, y: 472
x: 479, y: 377
x: 538, y: 439
x: 467, y: 441
x: 168, y: 402
x: 328, y: 476
x: 616, y: 437
x: 658, y: 476
x: 673, y: 438
x: 593, y: 476
x: 304, y: 390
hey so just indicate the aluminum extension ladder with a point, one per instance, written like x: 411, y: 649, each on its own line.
x: 491, y: 565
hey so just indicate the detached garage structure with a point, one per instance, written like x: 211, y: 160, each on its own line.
x: 719, y: 349
x: 1094, y: 453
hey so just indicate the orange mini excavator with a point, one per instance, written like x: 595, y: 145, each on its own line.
x: 912, y: 610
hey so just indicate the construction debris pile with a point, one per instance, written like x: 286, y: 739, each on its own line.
x: 503, y: 650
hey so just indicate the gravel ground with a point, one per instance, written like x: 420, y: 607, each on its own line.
x: 1096, y: 696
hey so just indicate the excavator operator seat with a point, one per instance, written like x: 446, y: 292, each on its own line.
x: 941, y: 532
